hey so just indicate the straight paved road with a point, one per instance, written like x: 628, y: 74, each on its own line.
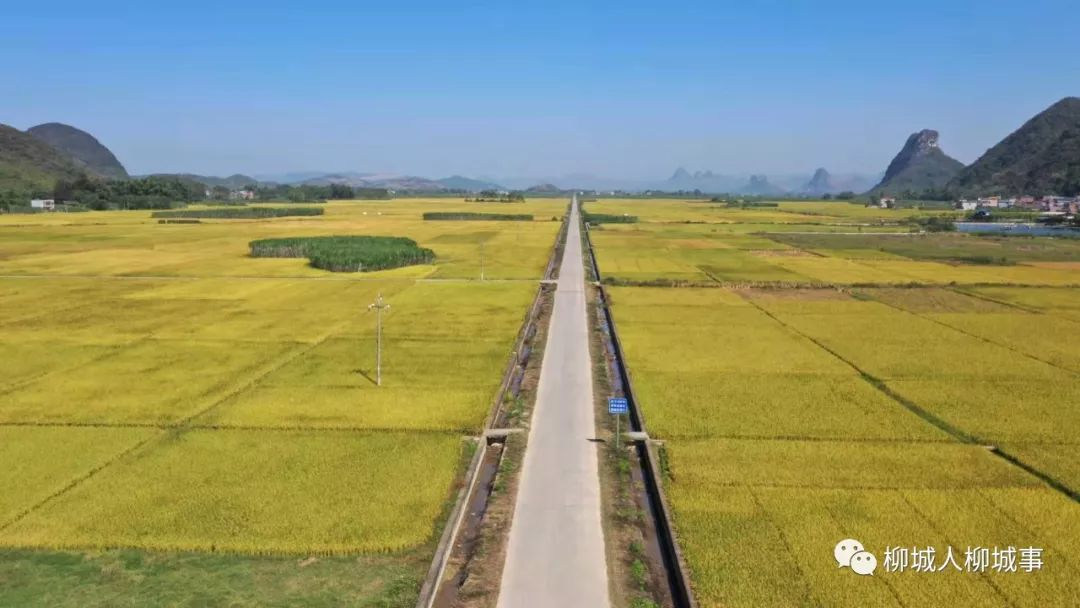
x: 555, y: 557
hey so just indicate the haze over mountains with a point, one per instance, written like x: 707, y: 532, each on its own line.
x: 1041, y: 157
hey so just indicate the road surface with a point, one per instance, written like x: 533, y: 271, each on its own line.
x: 555, y: 556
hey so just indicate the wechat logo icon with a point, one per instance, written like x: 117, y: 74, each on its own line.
x: 850, y: 553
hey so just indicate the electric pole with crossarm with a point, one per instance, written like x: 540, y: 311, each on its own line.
x: 378, y: 305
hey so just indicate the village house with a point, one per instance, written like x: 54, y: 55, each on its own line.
x: 45, y: 204
x: 242, y: 195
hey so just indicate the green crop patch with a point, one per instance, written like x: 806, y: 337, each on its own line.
x: 240, y: 213
x: 346, y: 253
x: 466, y: 216
x: 268, y: 492
x: 957, y: 248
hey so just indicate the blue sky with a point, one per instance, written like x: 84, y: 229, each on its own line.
x: 621, y: 89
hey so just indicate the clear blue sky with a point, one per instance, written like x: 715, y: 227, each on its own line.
x: 621, y: 89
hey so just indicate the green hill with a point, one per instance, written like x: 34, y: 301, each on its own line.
x: 1041, y: 157
x: 920, y: 166
x: 27, y: 163
x: 83, y: 148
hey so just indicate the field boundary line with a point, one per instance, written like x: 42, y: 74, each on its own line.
x: 959, y: 434
x: 202, y: 277
x: 241, y: 427
x: 433, y: 580
x: 678, y: 573
x: 937, y: 530
x: 255, y: 375
x: 112, y: 351
x: 977, y: 337
x: 81, y: 478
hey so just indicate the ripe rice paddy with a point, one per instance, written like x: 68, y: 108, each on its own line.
x: 165, y: 391
x: 794, y: 416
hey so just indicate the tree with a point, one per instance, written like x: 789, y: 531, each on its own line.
x: 341, y: 191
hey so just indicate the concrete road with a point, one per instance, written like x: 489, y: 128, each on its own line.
x: 555, y: 557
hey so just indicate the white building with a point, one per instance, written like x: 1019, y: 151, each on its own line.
x: 46, y: 204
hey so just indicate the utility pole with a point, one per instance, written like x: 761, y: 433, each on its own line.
x: 378, y: 305
x: 481, y: 260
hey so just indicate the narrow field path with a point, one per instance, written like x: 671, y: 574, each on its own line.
x: 555, y: 556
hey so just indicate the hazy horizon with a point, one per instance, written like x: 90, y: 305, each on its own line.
x: 622, y: 91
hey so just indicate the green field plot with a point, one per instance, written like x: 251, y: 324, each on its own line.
x: 256, y: 491
x: 128, y: 578
x: 962, y: 248
x: 39, y: 462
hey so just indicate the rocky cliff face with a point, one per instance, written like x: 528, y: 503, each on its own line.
x: 921, y: 165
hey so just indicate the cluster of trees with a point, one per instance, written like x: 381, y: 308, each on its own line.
x: 90, y: 192
x: 466, y: 216
x: 307, y: 193
x: 608, y: 218
x: 846, y: 195
x: 143, y: 193
x: 494, y: 196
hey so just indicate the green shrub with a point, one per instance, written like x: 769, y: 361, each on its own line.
x: 606, y: 218
x: 346, y: 253
x: 240, y: 213
x: 466, y: 216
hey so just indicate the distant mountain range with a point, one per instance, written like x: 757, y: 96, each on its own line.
x: 1041, y: 157
x: 820, y: 183
x: 404, y: 183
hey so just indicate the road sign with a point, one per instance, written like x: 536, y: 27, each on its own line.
x: 618, y: 405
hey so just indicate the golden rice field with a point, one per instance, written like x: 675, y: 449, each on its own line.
x: 823, y: 244
x: 794, y: 415
x: 162, y: 390
x: 129, y: 243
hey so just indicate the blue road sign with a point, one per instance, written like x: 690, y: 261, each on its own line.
x: 618, y: 405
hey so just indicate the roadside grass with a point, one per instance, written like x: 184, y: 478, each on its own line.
x: 125, y: 578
